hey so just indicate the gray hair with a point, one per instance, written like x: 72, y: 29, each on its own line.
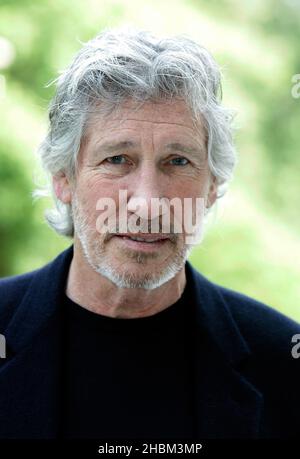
x: 127, y: 63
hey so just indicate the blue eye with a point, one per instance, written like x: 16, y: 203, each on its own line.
x: 118, y: 159
x: 180, y: 161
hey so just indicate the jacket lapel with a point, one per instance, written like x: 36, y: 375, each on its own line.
x: 29, y: 376
x: 227, y: 405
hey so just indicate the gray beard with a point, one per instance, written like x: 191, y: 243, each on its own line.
x: 96, y: 256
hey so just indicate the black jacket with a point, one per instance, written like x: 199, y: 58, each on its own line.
x: 247, y: 381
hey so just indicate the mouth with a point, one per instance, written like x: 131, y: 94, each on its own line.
x: 144, y: 242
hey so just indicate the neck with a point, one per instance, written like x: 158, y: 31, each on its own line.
x: 96, y: 293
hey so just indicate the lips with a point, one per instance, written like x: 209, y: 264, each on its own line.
x: 150, y: 238
x: 147, y: 243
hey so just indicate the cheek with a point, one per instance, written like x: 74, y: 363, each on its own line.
x: 192, y: 194
x: 189, y: 188
x: 89, y: 192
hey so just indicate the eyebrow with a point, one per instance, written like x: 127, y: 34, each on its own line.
x: 184, y: 149
x: 115, y: 147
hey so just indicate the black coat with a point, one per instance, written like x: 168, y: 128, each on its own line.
x: 247, y: 381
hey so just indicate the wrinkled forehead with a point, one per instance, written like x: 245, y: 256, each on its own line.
x: 169, y: 112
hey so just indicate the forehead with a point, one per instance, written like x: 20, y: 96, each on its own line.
x: 170, y: 116
x: 167, y: 111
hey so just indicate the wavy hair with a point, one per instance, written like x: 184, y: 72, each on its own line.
x: 127, y: 63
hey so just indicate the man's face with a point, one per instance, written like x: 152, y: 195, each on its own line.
x: 153, y: 151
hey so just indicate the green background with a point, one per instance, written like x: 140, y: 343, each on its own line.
x: 253, y: 245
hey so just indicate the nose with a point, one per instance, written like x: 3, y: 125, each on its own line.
x: 147, y: 185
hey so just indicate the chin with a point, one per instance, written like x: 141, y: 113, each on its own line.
x: 131, y: 274
x: 125, y: 279
x: 133, y: 269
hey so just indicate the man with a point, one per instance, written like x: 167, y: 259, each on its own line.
x: 119, y: 337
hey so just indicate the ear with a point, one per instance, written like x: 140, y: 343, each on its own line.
x: 62, y: 187
x: 212, y: 192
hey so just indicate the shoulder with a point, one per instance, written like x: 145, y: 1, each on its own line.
x: 268, y: 340
x: 273, y: 341
x: 263, y: 327
x: 12, y: 291
x: 35, y: 285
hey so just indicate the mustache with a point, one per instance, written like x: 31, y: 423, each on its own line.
x: 146, y: 228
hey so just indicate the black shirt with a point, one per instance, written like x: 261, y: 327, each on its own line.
x: 128, y: 378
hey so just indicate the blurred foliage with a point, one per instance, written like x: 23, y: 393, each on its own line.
x: 254, y: 245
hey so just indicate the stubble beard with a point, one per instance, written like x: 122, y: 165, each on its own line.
x: 94, y: 248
